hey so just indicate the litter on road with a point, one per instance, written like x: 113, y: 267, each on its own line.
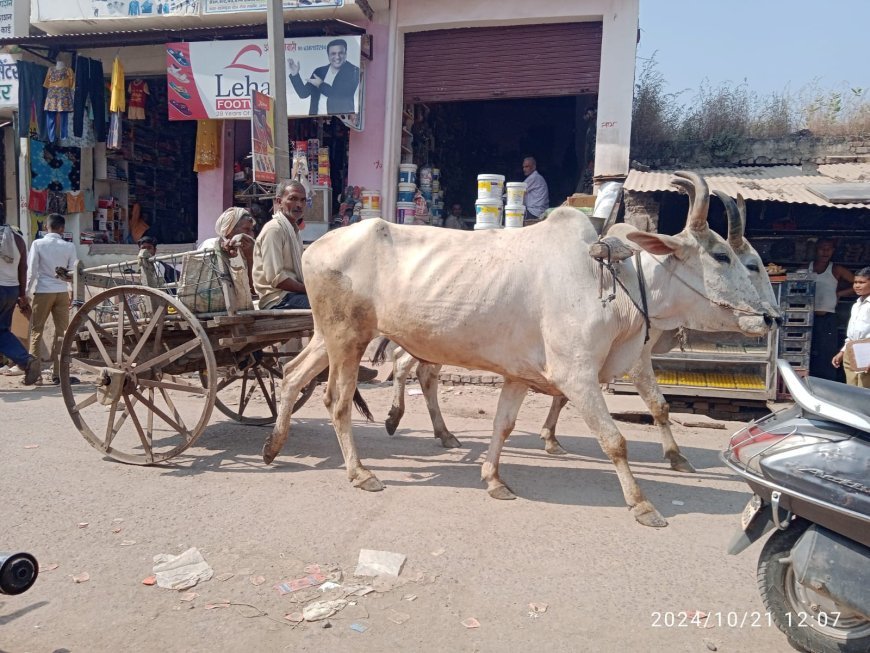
x: 379, y: 563
x: 182, y: 571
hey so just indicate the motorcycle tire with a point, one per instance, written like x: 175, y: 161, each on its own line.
x: 789, y: 606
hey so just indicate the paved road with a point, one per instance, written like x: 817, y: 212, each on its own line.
x: 568, y: 542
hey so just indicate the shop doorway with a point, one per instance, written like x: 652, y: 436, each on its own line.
x: 464, y: 139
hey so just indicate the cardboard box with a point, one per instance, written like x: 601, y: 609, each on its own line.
x: 580, y: 200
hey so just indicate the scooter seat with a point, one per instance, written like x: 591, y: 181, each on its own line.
x: 850, y: 397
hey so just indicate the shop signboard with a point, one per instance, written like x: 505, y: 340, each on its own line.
x: 262, y: 137
x: 215, y: 79
x: 133, y: 8
x: 14, y: 20
x: 8, y: 82
x: 234, y: 6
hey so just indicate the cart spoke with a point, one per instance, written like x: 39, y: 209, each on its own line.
x: 92, y: 329
x: 134, y: 324
x: 111, y: 428
x: 179, y: 428
x: 89, y: 364
x: 91, y: 400
x: 151, y: 416
x: 243, y: 401
x: 182, y: 387
x: 156, y: 319
x: 266, y: 394
x: 146, y: 443
x: 120, y: 329
x: 169, y: 356
x: 174, y: 410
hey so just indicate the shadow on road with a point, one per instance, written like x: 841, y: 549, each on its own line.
x: 12, y: 616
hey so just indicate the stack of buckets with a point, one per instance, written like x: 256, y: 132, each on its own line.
x: 371, y: 204
x: 435, y: 197
x: 488, y: 207
x: 407, y: 191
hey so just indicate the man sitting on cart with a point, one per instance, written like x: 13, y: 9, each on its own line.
x: 277, y: 270
x: 235, y: 236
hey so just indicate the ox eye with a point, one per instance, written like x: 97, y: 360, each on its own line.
x: 722, y: 258
x: 752, y: 267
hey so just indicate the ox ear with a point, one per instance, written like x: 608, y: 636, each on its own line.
x: 657, y: 243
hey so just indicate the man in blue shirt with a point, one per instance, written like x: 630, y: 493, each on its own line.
x: 537, y: 198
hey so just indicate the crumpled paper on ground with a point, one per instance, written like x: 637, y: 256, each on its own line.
x: 181, y: 571
x: 379, y: 563
x: 322, y: 609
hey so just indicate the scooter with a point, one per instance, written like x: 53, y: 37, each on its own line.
x: 809, y: 468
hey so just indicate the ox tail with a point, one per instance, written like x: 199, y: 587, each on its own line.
x: 381, y: 352
x: 362, y: 406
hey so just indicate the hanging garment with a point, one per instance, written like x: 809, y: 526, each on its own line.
x: 90, y: 204
x: 31, y: 99
x: 75, y: 201
x: 208, y: 145
x: 118, y: 99
x: 90, y: 85
x: 37, y: 200
x: 114, y: 139
x: 59, y: 82
x: 138, y: 90
x: 56, y: 202
x: 56, y: 125
x: 87, y: 139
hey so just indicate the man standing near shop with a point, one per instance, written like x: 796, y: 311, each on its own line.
x: 332, y: 88
x: 13, y: 292
x: 49, y: 290
x: 537, y: 198
x: 277, y: 269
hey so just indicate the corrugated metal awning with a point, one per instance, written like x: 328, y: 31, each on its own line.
x: 789, y: 184
x: 158, y: 35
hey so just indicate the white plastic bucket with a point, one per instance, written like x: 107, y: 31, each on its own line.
x: 426, y: 176
x: 368, y: 214
x: 484, y: 226
x: 371, y: 200
x: 404, y: 212
x: 406, y: 192
x: 488, y: 211
x: 516, y: 192
x: 513, y: 216
x: 436, y: 185
x: 436, y: 174
x: 490, y: 187
x: 407, y: 173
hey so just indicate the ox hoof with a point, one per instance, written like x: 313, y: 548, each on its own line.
x: 391, y: 426
x: 450, y: 442
x: 268, y: 456
x: 553, y: 448
x: 502, y: 492
x: 646, y: 515
x: 680, y: 464
x: 371, y: 484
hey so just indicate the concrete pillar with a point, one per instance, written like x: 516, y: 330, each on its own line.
x: 215, y: 187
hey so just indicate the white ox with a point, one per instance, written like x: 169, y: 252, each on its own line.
x: 523, y: 304
x: 642, y: 375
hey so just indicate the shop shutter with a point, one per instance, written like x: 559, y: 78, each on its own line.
x: 502, y: 62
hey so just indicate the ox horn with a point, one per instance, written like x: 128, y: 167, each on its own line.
x: 686, y: 186
x: 697, y: 220
x: 736, y: 224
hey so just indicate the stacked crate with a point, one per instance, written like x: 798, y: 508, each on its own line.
x: 795, y: 336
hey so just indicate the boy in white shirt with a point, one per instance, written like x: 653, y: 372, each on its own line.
x: 858, y: 329
x: 50, y: 293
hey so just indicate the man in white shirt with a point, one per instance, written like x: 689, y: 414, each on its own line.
x: 537, y: 198
x: 49, y: 292
x: 858, y: 329
x: 13, y: 293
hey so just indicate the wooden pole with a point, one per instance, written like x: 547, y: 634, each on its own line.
x: 278, y: 84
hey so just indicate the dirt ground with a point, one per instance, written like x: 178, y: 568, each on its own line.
x: 568, y: 542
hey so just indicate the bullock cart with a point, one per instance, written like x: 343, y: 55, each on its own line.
x: 162, y: 341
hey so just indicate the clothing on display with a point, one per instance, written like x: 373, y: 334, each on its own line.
x: 117, y: 97
x: 31, y: 99
x: 75, y: 201
x: 138, y: 91
x: 37, y: 200
x: 56, y: 202
x: 60, y: 82
x: 90, y: 89
x: 208, y: 151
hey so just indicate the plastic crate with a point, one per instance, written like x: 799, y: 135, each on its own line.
x: 794, y: 347
x: 796, y: 303
x: 802, y: 287
x: 797, y: 318
x: 800, y: 275
x: 795, y: 334
x: 800, y: 361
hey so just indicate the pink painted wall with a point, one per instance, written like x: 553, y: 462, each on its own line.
x: 215, y: 188
x: 366, y: 158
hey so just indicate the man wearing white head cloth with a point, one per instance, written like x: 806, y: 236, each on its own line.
x: 235, y: 236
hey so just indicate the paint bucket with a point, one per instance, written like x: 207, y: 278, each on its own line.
x: 484, y: 227
x: 407, y: 173
x: 436, y: 174
x: 436, y: 185
x: 426, y: 176
x: 426, y: 193
x: 436, y: 212
x: 404, y: 212
x: 368, y: 214
x: 371, y: 200
x: 513, y: 215
x: 488, y: 211
x: 516, y: 192
x: 437, y: 195
x: 406, y: 192
x: 490, y: 187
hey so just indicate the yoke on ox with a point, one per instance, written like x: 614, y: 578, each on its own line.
x: 524, y: 304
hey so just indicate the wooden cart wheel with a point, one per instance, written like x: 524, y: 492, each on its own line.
x: 250, y: 393
x: 144, y: 347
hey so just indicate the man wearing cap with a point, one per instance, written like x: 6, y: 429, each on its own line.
x: 235, y: 236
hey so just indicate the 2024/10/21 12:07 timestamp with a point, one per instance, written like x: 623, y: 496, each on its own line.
x: 735, y: 619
